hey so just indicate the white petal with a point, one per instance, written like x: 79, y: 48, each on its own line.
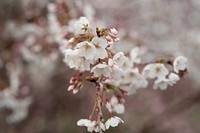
x: 80, y: 24
x: 146, y: 70
x: 119, y: 108
x: 114, y: 101
x: 180, y: 63
x: 86, y: 50
x: 84, y: 20
x: 114, y: 122
x: 101, y: 70
x: 101, y: 53
x: 161, y: 83
x: 119, y: 58
x: 81, y: 122
x: 107, y: 124
x: 102, y: 43
x: 173, y: 78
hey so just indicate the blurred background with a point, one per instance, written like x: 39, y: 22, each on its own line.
x: 34, y: 78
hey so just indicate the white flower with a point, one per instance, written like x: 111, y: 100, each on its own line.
x: 134, y: 78
x: 100, y: 45
x: 70, y: 57
x: 158, y: 70
x: 86, y: 49
x: 119, y: 108
x: 83, y: 64
x: 114, y: 100
x: 87, y: 123
x: 142, y: 82
x: 84, y: 122
x: 134, y: 55
x: 119, y: 58
x: 146, y: 70
x: 132, y: 75
x: 82, y: 25
x: 127, y: 64
x: 101, y: 70
x: 173, y: 78
x: 113, y: 122
x: 102, y: 126
x: 161, y: 83
x: 180, y: 63
x: 73, y: 60
x: 91, y: 125
x: 116, y: 106
x: 116, y: 71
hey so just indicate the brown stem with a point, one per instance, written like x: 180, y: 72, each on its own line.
x: 99, y: 105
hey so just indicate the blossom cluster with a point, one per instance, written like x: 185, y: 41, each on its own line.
x: 38, y: 52
x: 9, y: 99
x: 114, y: 73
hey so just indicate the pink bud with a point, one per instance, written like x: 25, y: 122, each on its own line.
x: 71, y: 40
x: 75, y: 90
x: 113, y: 31
x: 116, y: 39
x: 71, y: 87
x: 109, y: 40
x: 79, y: 85
x: 72, y: 80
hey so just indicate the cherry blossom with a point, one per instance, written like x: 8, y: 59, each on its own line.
x: 158, y: 70
x: 116, y: 106
x: 173, y: 78
x: 101, y: 70
x: 141, y: 82
x: 86, y: 49
x: 119, y: 58
x: 132, y: 75
x: 82, y: 25
x: 161, y: 83
x: 127, y: 64
x: 114, y: 74
x: 83, y: 64
x: 134, y: 55
x: 113, y: 122
x: 87, y: 123
x: 116, y: 71
x: 146, y: 70
x: 71, y: 57
x: 100, y: 45
x: 180, y: 63
x: 91, y: 125
x: 73, y: 60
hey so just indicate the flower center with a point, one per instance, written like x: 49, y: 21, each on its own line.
x: 87, y: 46
x: 85, y: 27
x: 157, y: 69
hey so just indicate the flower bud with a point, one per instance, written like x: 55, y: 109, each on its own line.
x: 71, y: 87
x: 113, y: 31
x: 71, y: 40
